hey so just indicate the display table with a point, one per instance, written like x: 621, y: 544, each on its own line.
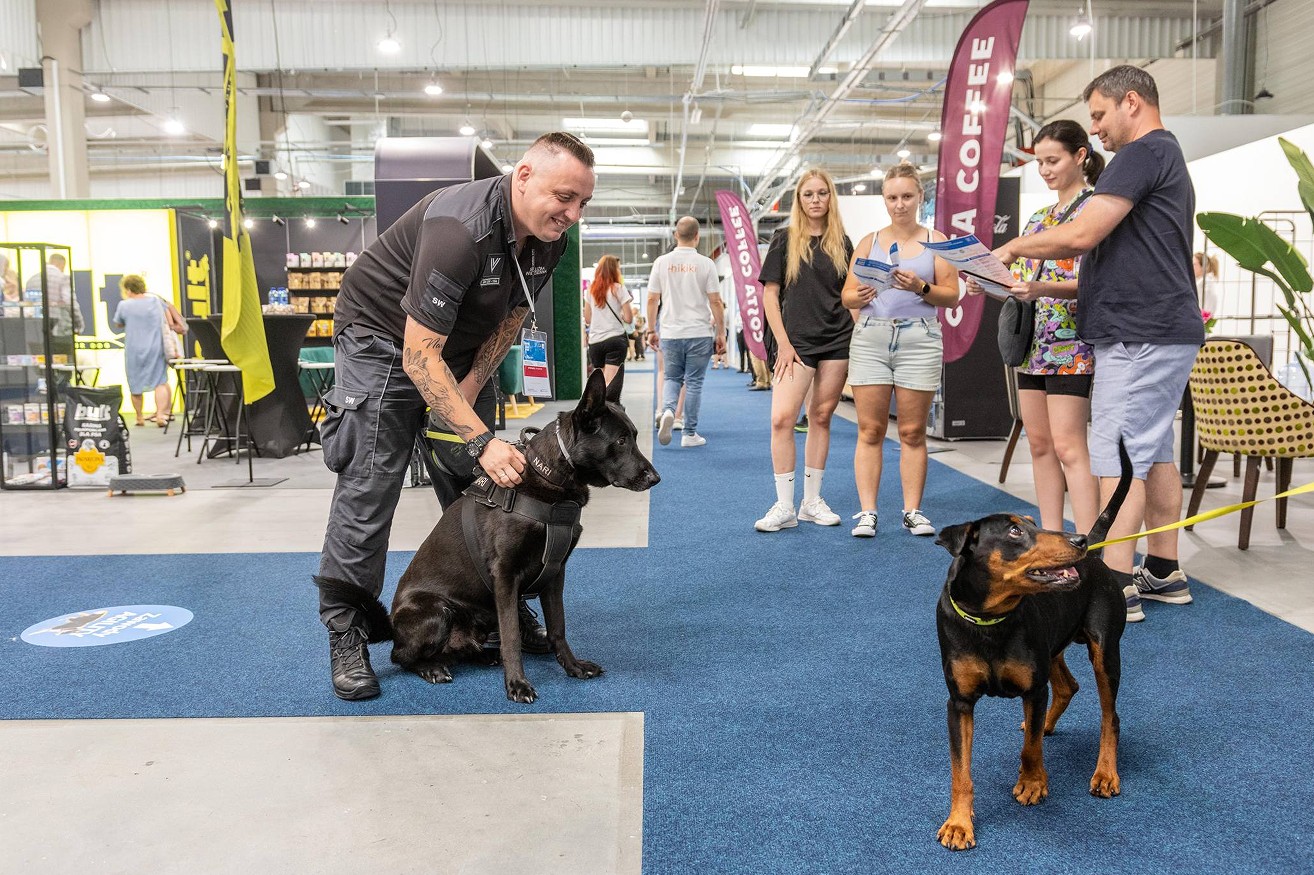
x: 278, y: 423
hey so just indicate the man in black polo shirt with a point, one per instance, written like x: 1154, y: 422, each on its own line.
x: 423, y: 319
x: 1136, y: 303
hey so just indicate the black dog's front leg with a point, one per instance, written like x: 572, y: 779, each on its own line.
x: 554, y: 615
x: 518, y: 687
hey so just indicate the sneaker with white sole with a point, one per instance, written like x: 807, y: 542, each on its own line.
x: 866, y: 527
x: 780, y: 516
x: 916, y: 523
x: 1172, y: 589
x: 664, y: 424
x: 679, y: 424
x: 692, y: 439
x: 1135, y: 613
x: 815, y: 510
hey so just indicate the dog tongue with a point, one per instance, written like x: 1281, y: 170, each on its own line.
x: 1067, y: 573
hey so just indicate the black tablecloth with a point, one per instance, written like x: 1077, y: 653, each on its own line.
x: 279, y: 422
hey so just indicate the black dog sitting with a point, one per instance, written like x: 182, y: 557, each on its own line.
x: 1016, y: 597
x: 493, y: 545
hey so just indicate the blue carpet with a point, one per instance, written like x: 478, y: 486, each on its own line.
x: 795, y: 710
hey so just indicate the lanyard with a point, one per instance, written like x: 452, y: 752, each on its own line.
x: 533, y: 313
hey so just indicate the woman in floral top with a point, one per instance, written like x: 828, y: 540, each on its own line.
x: 1055, y: 380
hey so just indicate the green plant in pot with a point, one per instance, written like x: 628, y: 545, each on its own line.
x: 1258, y: 248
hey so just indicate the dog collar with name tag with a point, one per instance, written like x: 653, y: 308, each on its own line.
x: 976, y: 621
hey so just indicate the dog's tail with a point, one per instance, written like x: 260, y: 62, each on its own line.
x: 377, y: 625
x: 1100, y: 530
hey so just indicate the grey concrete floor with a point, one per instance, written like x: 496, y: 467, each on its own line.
x: 119, y: 796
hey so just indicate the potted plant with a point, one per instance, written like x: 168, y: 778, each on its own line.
x: 1258, y: 248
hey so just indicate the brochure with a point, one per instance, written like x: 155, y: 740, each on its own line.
x: 968, y: 255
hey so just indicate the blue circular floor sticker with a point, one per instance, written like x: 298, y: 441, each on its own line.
x: 107, y: 626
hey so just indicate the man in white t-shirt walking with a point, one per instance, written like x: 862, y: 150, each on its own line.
x: 690, y: 329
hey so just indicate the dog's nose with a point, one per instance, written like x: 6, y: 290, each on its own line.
x: 1078, y: 541
x: 653, y: 477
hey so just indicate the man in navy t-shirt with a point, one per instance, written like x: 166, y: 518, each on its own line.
x: 1138, y: 308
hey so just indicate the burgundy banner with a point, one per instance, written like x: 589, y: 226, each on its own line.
x: 975, y: 118
x: 745, y: 265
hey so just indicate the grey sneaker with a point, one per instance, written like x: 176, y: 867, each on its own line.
x: 1135, y: 613
x: 916, y: 523
x: 664, y: 425
x: 780, y: 516
x: 815, y: 510
x: 1172, y: 589
x: 866, y: 527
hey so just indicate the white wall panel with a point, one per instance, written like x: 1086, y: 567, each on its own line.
x: 320, y: 35
x: 1283, y: 60
x: 18, y: 35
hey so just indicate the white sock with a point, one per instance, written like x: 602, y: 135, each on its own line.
x: 785, y: 489
x: 812, y: 483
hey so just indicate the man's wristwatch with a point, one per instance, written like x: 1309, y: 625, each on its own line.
x: 475, y: 446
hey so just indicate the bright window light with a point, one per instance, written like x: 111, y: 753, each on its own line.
x: 770, y: 130
x: 783, y: 72
x: 635, y: 127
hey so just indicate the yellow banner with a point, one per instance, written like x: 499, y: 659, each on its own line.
x: 243, y: 328
x: 1207, y: 515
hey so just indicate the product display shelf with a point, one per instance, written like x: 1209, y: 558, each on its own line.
x: 311, y: 290
x: 36, y: 355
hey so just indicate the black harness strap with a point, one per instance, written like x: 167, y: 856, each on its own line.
x: 560, y: 518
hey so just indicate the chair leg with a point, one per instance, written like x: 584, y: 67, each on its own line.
x: 1201, y: 483
x: 1248, y: 494
x: 1008, y: 451
x: 1283, y: 484
x: 1236, y: 464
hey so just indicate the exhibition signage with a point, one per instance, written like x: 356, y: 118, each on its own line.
x: 243, y: 327
x: 745, y: 265
x: 973, y: 123
x: 100, y: 626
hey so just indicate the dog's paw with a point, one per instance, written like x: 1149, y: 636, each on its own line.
x: 521, y: 691
x: 583, y: 669
x: 957, y: 835
x: 1030, y: 790
x: 436, y: 674
x: 1105, y: 784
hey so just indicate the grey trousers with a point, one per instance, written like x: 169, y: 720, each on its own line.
x: 375, y: 415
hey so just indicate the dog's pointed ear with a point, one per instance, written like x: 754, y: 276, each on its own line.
x: 594, y: 400
x: 955, y: 538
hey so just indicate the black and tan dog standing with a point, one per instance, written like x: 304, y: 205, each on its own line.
x: 1015, y: 598
x: 455, y: 592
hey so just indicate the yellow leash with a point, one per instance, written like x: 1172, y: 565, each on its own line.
x: 1207, y: 515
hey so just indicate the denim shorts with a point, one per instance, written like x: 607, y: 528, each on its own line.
x: 897, y: 352
x: 1138, y: 390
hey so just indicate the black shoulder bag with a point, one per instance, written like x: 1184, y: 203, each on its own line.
x: 1017, y: 320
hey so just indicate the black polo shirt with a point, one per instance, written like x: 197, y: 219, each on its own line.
x: 446, y: 263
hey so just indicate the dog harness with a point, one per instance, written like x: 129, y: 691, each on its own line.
x: 560, y: 517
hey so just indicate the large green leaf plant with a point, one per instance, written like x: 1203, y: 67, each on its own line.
x: 1258, y: 248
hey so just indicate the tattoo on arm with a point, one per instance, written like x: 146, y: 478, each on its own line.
x: 441, y: 391
x: 494, y: 349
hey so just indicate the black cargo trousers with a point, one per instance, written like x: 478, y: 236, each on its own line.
x: 375, y: 414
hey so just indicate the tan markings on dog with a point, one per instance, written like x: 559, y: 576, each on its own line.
x: 1105, y: 781
x: 970, y: 674
x: 1033, y: 781
x: 1064, y: 687
x: 1016, y: 674
x: 956, y: 833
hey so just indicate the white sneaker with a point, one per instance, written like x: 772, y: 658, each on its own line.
x: 679, y: 424
x: 692, y: 439
x: 817, y: 511
x: 866, y: 527
x: 664, y: 424
x: 917, y: 524
x: 780, y: 516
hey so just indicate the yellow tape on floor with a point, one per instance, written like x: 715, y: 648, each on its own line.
x: 1207, y: 515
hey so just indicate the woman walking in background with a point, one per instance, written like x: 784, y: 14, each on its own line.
x: 143, y: 319
x: 605, y: 319
x: 1054, y: 382
x: 802, y: 276
x: 897, y: 349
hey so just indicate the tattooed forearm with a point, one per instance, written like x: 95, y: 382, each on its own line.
x: 494, y: 349
x: 440, y: 391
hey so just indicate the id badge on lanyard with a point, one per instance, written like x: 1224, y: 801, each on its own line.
x: 533, y: 343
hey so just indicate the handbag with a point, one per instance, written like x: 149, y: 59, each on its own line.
x: 1017, y: 319
x: 172, y: 343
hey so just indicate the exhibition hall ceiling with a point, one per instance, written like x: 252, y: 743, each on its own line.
x: 678, y: 98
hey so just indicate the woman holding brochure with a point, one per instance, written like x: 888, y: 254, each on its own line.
x: 802, y: 275
x: 897, y: 346
x: 1054, y: 382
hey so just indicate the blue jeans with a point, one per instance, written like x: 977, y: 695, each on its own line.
x: 686, y: 364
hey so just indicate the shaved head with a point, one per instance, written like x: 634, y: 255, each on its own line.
x: 686, y: 229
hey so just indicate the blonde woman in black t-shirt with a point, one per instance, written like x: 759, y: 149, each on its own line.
x: 802, y: 276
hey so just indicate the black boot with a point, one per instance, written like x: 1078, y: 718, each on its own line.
x: 533, y: 637
x: 353, y: 677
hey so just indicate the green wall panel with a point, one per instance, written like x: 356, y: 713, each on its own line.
x: 567, y: 317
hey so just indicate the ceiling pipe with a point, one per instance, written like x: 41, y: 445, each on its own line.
x: 700, y: 70
x: 831, y: 44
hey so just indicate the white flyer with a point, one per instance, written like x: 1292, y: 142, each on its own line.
x: 873, y: 273
x: 968, y: 255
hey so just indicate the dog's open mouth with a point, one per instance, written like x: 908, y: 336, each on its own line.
x: 1066, y: 576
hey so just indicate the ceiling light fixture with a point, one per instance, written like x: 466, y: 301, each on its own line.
x: 486, y: 143
x: 304, y: 185
x: 1082, y: 27
x: 467, y: 130
x: 507, y: 168
x: 859, y: 187
x: 213, y: 223
x: 280, y: 175
x: 173, y: 125
x: 343, y: 219
x: 277, y: 220
x: 1005, y: 77
x: 904, y: 153
x: 248, y: 223
x: 433, y: 89
x: 935, y: 136
x: 389, y: 45
x: 100, y: 96
x: 310, y: 223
